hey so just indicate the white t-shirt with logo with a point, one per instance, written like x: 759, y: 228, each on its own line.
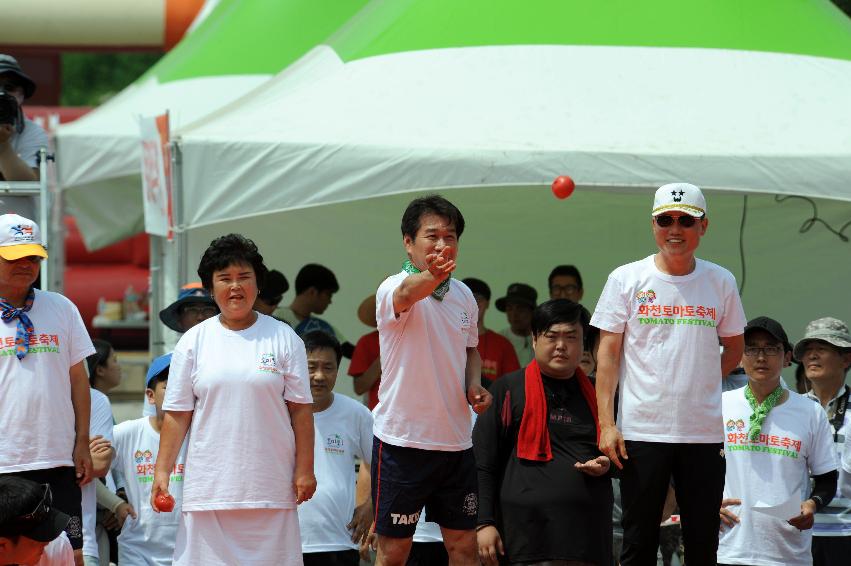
x: 795, y: 442
x: 57, y: 553
x: 149, y: 539
x: 100, y: 424
x: 35, y: 393
x: 422, y: 399
x: 241, y: 448
x: 343, y: 432
x: 670, y: 366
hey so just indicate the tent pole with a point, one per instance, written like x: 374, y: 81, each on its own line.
x: 180, y: 238
x: 155, y: 300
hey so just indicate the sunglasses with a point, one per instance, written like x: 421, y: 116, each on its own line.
x: 666, y: 220
x: 42, y: 509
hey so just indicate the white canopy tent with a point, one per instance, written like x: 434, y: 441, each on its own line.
x: 232, y: 48
x: 331, y: 150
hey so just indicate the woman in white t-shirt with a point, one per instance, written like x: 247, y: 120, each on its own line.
x: 238, y: 384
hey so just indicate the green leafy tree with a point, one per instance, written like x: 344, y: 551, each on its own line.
x: 89, y: 79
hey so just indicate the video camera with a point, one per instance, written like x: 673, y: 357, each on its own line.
x: 10, y: 111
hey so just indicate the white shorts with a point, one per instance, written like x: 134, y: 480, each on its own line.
x: 250, y: 537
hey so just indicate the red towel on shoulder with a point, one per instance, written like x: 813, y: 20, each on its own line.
x: 533, y: 440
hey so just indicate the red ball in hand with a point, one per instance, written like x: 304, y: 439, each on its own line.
x: 563, y: 187
x: 164, y: 503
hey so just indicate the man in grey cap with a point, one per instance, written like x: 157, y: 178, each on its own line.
x: 660, y: 320
x: 20, y: 138
x: 825, y: 353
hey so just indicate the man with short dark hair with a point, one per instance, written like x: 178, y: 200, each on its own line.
x: 497, y: 353
x: 315, y: 285
x: 517, y: 304
x: 272, y: 292
x: 776, y: 440
x: 30, y: 526
x: 332, y: 526
x: 422, y: 450
x: 565, y: 282
x: 543, y: 490
x: 825, y: 353
x: 660, y: 321
x: 45, y: 395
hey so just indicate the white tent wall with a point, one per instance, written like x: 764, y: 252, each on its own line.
x: 516, y: 115
x: 519, y: 234
x: 99, y: 156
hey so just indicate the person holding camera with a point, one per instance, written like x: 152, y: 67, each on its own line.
x: 20, y: 138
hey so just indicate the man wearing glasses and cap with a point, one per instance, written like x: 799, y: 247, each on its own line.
x: 660, y: 320
x: 45, y: 402
x: 825, y: 353
x: 775, y: 441
x: 30, y: 527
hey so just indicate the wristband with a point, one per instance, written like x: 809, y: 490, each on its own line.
x: 818, y: 501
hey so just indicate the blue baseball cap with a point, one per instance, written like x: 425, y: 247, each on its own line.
x: 157, y: 366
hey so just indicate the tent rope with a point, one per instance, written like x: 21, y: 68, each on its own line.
x: 810, y: 222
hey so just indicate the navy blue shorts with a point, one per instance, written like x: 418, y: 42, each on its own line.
x: 404, y: 480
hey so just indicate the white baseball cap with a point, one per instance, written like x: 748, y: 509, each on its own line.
x: 19, y: 237
x: 682, y: 197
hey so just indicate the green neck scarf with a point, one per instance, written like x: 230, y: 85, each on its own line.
x: 441, y: 290
x: 760, y: 410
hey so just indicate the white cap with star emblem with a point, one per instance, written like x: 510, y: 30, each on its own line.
x: 682, y: 197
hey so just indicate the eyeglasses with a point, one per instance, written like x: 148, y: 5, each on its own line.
x: 42, y: 509
x: 767, y: 351
x: 666, y: 220
x: 206, y: 312
x: 569, y: 288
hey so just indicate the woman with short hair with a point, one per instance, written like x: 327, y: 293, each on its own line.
x: 239, y: 384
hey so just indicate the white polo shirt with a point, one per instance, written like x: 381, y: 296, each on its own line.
x: 422, y: 399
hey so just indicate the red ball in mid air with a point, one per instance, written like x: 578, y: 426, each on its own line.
x: 563, y: 187
x: 164, y: 503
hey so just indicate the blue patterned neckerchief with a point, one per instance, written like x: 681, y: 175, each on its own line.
x: 441, y: 290
x: 25, y: 325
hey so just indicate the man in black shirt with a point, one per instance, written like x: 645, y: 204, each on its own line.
x: 544, y: 491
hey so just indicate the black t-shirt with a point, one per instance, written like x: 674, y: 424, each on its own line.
x: 543, y: 510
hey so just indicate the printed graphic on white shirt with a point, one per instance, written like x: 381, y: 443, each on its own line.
x: 35, y: 393
x: 342, y: 433
x: 422, y: 400
x: 670, y: 365
x: 241, y: 446
x: 150, y: 538
x: 770, y: 475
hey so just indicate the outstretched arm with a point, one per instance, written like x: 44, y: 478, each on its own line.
x: 418, y: 286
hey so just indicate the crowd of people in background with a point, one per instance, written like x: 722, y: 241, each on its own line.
x: 564, y: 438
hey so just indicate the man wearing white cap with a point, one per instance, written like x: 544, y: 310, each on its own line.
x: 825, y: 353
x: 44, y: 405
x: 660, y: 320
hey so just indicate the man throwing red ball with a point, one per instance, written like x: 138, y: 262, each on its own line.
x: 431, y: 375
